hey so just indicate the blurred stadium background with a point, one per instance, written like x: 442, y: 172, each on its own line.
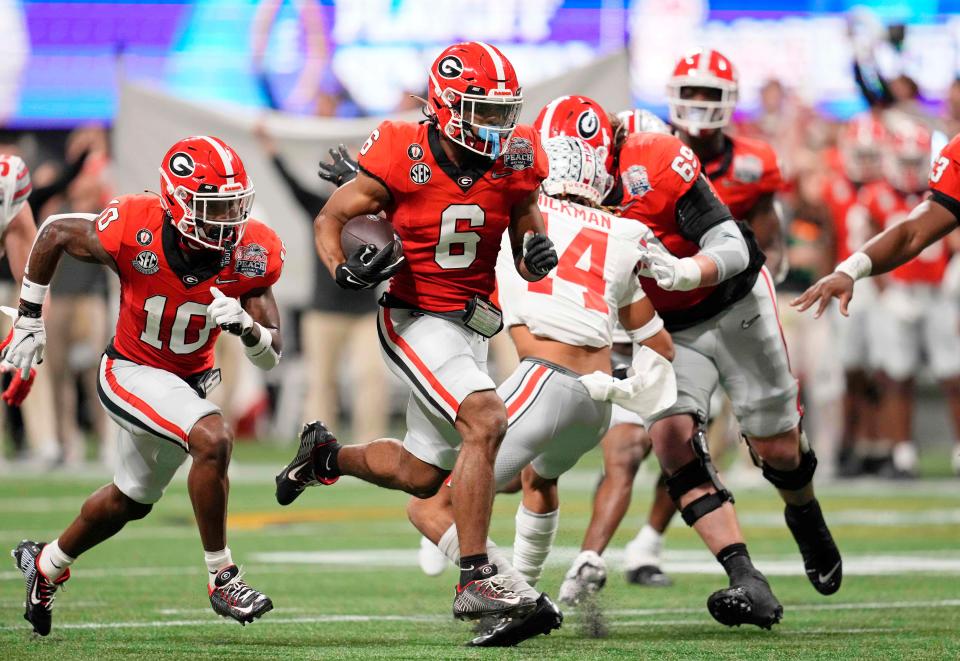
x: 93, y: 93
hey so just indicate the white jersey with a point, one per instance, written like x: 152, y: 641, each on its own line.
x: 577, y: 303
x: 14, y: 188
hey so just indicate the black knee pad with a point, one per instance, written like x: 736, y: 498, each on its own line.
x: 692, y: 475
x: 799, y: 477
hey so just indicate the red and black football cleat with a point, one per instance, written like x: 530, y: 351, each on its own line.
x: 40, y: 590
x: 313, y: 465
x: 231, y: 597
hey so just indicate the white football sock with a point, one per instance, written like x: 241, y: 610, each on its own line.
x: 53, y: 561
x: 533, y: 541
x: 449, y: 545
x: 644, y: 549
x: 217, y: 560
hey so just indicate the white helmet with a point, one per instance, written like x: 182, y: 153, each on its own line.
x: 641, y: 120
x: 14, y: 187
x: 575, y: 169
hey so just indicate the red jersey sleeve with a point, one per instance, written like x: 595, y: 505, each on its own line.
x: 541, y: 164
x: 377, y: 157
x: 260, y: 257
x: 771, y: 180
x: 945, y: 177
x: 109, y: 226
x: 657, y: 163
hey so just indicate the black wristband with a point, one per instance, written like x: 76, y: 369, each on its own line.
x: 31, y: 310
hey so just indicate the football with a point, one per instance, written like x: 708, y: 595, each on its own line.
x: 366, y: 230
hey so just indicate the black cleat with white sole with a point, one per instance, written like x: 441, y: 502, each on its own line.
x: 650, y: 576
x: 748, y: 600
x: 488, y: 596
x: 511, y: 631
x: 231, y: 597
x: 821, y: 557
x: 313, y: 465
x: 38, y: 605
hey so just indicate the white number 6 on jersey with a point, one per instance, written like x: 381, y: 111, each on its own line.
x: 458, y: 250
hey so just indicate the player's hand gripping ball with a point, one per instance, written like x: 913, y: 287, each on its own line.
x: 228, y: 314
x: 374, y: 253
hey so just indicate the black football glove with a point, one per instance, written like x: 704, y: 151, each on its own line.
x: 341, y: 168
x: 539, y: 254
x: 366, y: 267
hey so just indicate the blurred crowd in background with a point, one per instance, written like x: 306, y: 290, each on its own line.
x: 332, y: 369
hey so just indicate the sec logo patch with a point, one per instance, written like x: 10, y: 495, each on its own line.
x: 146, y: 262
x: 420, y: 173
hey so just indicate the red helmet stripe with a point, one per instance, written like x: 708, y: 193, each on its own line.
x: 224, y: 157
x: 497, y: 64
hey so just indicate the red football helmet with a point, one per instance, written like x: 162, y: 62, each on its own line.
x: 704, y: 68
x: 475, y: 95
x: 641, y: 120
x: 206, y: 190
x: 861, y: 144
x: 578, y: 117
x: 906, y: 163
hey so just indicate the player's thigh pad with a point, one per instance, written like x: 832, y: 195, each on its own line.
x: 441, y: 361
x: 695, y: 369
x: 941, y: 335
x: 551, y: 421
x: 156, y: 410
x: 754, y: 364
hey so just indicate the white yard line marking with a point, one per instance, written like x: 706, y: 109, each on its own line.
x: 328, y: 619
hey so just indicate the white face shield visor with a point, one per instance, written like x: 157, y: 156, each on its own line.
x: 214, y: 219
x: 694, y: 115
x: 485, y: 123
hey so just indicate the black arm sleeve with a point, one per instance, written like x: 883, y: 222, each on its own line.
x: 41, y: 196
x: 699, y: 209
x: 950, y: 204
x: 310, y: 202
x: 875, y: 91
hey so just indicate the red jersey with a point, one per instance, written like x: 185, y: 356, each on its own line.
x: 945, y: 177
x: 746, y: 170
x: 163, y: 301
x: 852, y: 223
x: 887, y: 207
x: 656, y: 171
x: 450, y: 220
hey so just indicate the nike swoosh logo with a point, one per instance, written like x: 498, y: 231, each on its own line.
x: 823, y: 578
x: 500, y: 175
x: 327, y: 464
x: 356, y: 281
x: 55, y: 565
x: 223, y: 282
x: 295, y: 474
x: 747, y: 323
x: 470, y: 568
x: 33, y: 594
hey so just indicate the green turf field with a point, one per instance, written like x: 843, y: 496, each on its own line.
x: 357, y: 592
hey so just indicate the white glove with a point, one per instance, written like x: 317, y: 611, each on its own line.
x: 651, y: 389
x: 671, y: 273
x: 228, y: 314
x: 27, y: 342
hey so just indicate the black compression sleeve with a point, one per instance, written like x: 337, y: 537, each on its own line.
x: 699, y: 209
x: 949, y: 203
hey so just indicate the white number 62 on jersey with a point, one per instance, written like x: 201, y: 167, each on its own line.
x: 685, y: 164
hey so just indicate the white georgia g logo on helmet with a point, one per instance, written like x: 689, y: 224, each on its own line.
x: 450, y: 67
x: 181, y: 164
x: 588, y: 124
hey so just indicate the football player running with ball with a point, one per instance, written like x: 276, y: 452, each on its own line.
x: 191, y: 264
x: 451, y: 187
x: 559, y: 397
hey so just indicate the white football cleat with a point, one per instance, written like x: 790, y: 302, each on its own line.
x: 587, y: 575
x: 432, y: 560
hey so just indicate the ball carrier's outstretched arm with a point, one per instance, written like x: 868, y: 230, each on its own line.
x: 930, y: 221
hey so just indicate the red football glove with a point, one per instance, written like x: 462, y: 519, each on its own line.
x: 19, y: 388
